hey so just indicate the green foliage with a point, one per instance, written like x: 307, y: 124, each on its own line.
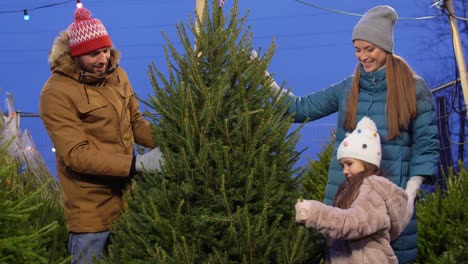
x: 228, y: 188
x: 50, y: 200
x: 443, y: 222
x: 316, y: 175
x: 27, y: 233
x: 313, y: 187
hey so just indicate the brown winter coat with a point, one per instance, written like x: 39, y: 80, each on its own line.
x: 93, y: 122
x: 362, y: 233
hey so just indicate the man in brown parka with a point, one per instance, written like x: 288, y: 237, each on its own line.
x: 91, y: 114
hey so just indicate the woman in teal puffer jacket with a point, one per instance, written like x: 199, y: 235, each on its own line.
x: 385, y: 89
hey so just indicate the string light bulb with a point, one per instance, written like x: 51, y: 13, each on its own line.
x: 25, y: 15
x: 79, y: 4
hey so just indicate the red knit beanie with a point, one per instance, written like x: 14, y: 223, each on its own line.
x: 87, y: 34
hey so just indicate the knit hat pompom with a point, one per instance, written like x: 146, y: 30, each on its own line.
x: 367, y: 123
x: 82, y: 14
x: 376, y: 27
x: 362, y: 144
x: 86, y: 34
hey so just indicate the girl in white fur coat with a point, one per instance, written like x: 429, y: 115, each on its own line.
x: 368, y: 210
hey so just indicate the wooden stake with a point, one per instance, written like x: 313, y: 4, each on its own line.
x: 199, y: 7
x: 458, y: 51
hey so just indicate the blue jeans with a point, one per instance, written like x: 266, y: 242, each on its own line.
x: 84, y: 246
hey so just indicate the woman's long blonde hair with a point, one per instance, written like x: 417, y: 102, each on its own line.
x: 401, y: 97
x: 349, y: 189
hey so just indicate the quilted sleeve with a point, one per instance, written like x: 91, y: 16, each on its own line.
x: 424, y: 135
x: 318, y: 104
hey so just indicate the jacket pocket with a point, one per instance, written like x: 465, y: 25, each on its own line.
x: 84, y: 108
x: 101, y: 185
x: 90, y: 180
x: 92, y: 113
x: 125, y: 91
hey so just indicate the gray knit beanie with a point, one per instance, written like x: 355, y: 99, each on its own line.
x: 376, y: 27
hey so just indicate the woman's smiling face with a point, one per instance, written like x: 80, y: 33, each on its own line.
x: 369, y: 55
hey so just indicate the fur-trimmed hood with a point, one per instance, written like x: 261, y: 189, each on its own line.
x: 61, y: 61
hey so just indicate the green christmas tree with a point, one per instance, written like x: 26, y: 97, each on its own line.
x: 442, y: 221
x: 313, y: 187
x: 316, y: 173
x: 27, y: 234
x: 228, y: 188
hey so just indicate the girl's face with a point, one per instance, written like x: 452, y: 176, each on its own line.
x: 369, y: 55
x: 351, y: 167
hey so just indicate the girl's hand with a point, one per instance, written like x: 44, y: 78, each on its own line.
x: 303, y: 210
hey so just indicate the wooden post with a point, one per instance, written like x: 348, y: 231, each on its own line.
x: 458, y: 51
x: 199, y: 7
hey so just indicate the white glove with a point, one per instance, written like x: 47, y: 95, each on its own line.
x: 151, y: 161
x: 303, y: 210
x: 412, y: 188
x: 274, y: 88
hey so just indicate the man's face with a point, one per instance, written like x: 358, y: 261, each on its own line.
x: 95, y: 61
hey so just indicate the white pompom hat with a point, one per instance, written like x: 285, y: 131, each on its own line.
x: 363, y: 143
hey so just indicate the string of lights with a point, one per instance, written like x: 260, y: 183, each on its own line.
x: 26, y: 11
x: 438, y: 4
